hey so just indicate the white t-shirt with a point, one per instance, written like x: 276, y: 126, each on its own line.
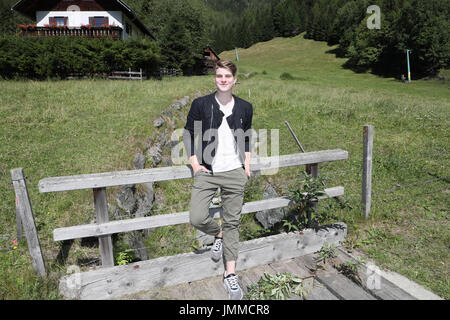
x: 227, y: 154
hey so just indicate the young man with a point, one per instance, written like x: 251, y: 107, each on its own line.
x: 221, y: 159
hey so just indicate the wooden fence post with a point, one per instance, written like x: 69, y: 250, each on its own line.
x: 367, y: 169
x: 19, y: 224
x: 27, y: 219
x: 104, y: 242
x: 314, y: 172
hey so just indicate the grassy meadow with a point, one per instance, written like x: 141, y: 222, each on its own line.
x: 60, y: 128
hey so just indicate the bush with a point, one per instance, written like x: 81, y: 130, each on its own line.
x: 286, y: 76
x: 42, y: 58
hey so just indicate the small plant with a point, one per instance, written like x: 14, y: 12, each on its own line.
x: 350, y: 270
x: 326, y: 253
x: 303, y: 199
x: 277, y: 286
x: 124, y: 257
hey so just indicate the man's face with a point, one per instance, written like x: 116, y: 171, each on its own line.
x: 224, y: 80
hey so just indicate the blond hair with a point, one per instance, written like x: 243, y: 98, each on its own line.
x: 227, y: 64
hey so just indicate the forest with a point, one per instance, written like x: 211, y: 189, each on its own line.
x: 183, y: 28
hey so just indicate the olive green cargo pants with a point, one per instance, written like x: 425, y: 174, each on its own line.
x: 232, y: 184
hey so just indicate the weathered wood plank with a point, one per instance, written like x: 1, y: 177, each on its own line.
x: 217, y: 288
x: 25, y: 212
x: 315, y: 290
x: 118, y: 178
x: 338, y: 284
x: 380, y: 287
x: 283, y: 267
x: 94, y: 230
x: 200, y: 290
x: 116, y: 281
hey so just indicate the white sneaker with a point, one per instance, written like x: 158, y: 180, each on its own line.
x: 232, y: 285
x: 217, y: 249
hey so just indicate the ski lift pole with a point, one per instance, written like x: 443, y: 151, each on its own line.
x: 409, y: 69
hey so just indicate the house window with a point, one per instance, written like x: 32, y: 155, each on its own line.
x: 60, y: 21
x: 98, y: 21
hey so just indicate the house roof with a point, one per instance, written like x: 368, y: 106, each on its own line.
x: 28, y: 8
x: 212, y: 50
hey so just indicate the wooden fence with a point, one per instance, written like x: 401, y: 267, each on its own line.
x: 126, y: 75
x: 281, y: 247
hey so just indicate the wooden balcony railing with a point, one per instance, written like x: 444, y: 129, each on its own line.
x: 93, y: 32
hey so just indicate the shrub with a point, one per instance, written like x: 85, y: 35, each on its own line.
x: 42, y: 58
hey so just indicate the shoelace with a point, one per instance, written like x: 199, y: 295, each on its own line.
x: 233, y: 282
x: 217, y: 244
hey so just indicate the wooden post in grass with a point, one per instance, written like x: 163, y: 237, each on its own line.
x: 27, y: 219
x: 367, y: 169
x: 102, y: 216
x: 19, y: 225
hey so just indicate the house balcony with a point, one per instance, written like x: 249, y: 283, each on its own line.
x: 112, y: 32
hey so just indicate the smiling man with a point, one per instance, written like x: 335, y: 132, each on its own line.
x: 220, y: 160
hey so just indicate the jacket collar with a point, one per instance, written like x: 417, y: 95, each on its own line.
x: 212, y: 100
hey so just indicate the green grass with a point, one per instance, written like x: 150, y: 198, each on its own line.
x: 327, y: 107
x: 72, y: 127
x: 60, y: 128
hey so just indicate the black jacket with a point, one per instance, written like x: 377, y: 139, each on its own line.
x: 205, y: 113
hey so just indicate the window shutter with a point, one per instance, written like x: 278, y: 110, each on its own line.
x: 92, y: 21
x: 51, y: 20
x: 66, y: 21
x: 106, y: 20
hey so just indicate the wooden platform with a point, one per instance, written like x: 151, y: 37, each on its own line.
x: 328, y: 283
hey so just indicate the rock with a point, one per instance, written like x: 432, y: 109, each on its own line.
x: 177, y: 105
x: 139, y: 161
x: 163, y: 138
x: 270, y: 217
x: 159, y: 122
x: 126, y: 199
x: 145, y: 200
x: 198, y: 94
x: 167, y: 161
x: 167, y: 113
x: 154, y: 153
x: 135, y: 240
x: 184, y: 101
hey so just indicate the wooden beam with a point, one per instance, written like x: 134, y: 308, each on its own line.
x: 367, y: 170
x: 118, y: 178
x: 101, y: 229
x: 117, y: 281
x: 25, y: 212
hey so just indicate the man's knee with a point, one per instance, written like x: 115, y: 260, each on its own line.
x: 199, y: 221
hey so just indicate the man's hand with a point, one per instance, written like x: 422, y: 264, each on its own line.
x: 248, y: 172
x: 195, y: 165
